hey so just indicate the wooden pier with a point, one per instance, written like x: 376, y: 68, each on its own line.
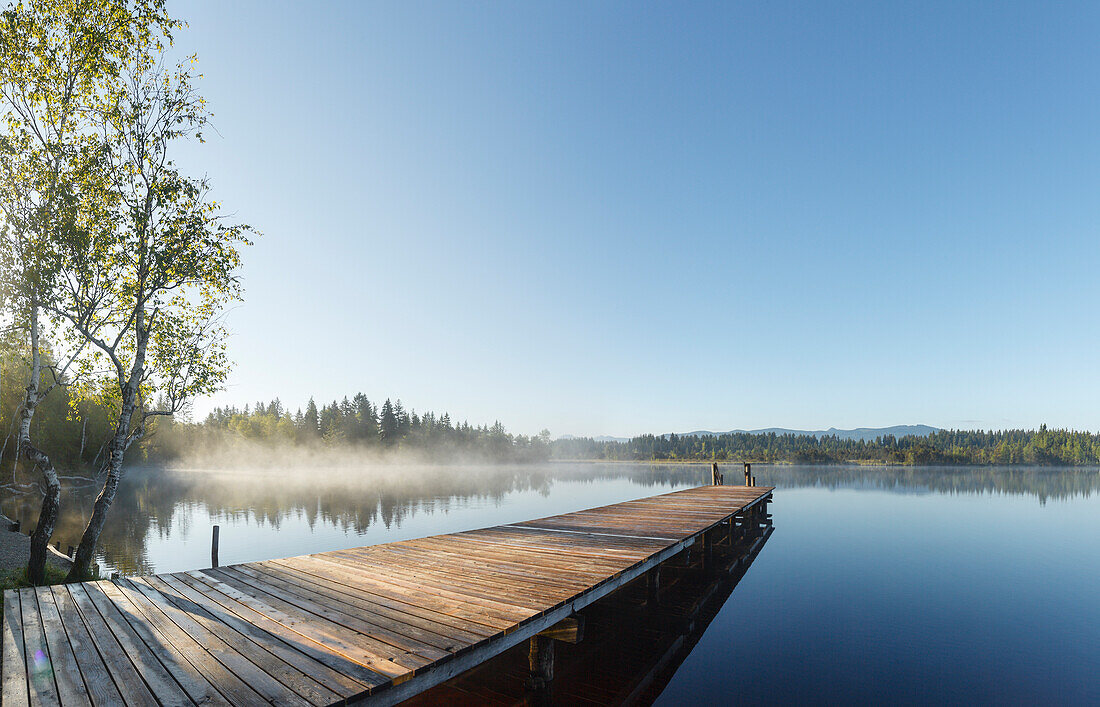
x: 379, y: 623
x: 634, y: 642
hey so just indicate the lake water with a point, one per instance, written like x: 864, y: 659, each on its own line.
x: 917, y: 585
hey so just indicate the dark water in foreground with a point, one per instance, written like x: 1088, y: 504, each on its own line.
x: 885, y: 585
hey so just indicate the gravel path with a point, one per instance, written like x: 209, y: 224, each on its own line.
x: 15, y: 548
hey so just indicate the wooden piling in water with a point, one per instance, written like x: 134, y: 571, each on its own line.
x: 214, y: 547
x: 540, y: 661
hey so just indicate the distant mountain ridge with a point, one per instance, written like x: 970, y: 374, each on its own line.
x: 867, y: 434
x: 600, y: 438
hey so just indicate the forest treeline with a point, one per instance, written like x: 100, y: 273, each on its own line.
x: 353, y: 424
x: 76, y: 427
x: 1036, y: 447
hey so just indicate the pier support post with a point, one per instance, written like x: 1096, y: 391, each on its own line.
x: 540, y: 661
x: 540, y: 656
x: 748, y: 473
x: 653, y: 586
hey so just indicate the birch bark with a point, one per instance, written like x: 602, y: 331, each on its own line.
x: 51, y: 501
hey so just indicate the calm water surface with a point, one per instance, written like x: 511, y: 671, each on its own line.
x: 903, y: 585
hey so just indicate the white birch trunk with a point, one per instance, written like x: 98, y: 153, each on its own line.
x: 123, y: 437
x: 51, y: 501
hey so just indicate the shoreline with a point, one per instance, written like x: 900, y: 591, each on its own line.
x: 853, y: 463
x: 15, y: 550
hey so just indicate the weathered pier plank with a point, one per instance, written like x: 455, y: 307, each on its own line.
x: 378, y: 623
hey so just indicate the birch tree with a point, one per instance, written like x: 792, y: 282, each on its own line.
x: 58, y: 61
x: 149, y: 295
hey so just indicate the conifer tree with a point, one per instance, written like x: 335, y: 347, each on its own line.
x: 311, y: 421
x: 388, y: 426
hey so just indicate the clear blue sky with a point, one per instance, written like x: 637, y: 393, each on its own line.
x: 614, y: 218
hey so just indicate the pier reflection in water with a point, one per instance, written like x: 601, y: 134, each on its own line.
x: 631, y: 642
